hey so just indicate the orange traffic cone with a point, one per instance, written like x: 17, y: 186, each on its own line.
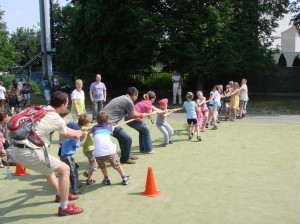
x: 150, y: 188
x: 20, y: 170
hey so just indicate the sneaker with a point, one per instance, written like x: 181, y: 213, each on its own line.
x: 106, y: 181
x: 190, y: 137
x: 71, y: 197
x: 206, y: 125
x: 199, y: 138
x: 77, y: 192
x: 243, y: 115
x: 70, y: 210
x: 90, y: 182
x: 170, y: 142
x: 215, y: 127
x: 151, y: 152
x: 134, y: 157
x: 85, y: 174
x: 125, y: 180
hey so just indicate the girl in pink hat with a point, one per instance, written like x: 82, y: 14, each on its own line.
x: 162, y: 123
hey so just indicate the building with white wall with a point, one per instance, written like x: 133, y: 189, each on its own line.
x: 290, y: 45
x: 290, y: 40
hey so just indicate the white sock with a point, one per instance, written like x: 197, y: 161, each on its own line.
x: 64, y: 205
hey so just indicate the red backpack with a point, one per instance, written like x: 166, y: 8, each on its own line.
x: 22, y: 125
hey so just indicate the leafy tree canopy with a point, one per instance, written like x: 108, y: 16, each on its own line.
x: 8, y: 56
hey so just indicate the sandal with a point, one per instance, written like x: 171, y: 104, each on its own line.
x: 90, y: 182
x: 85, y: 174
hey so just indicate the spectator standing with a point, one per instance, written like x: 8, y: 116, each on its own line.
x: 26, y: 92
x: 3, y: 95
x: 78, y: 100
x: 14, y: 97
x: 32, y: 157
x: 5, y: 141
x: 117, y: 108
x: 56, y: 83
x: 176, y: 79
x: 20, y: 84
x: 97, y: 96
x: 243, y: 98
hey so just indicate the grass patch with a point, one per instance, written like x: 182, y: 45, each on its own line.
x: 241, y: 173
x: 274, y: 105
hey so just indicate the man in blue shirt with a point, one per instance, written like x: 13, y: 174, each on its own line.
x: 97, y: 95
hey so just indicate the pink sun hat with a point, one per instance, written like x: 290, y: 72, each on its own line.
x: 163, y: 102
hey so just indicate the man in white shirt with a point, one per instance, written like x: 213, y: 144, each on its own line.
x: 176, y: 79
x: 243, y: 97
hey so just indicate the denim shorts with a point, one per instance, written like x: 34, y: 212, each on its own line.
x: 217, y: 104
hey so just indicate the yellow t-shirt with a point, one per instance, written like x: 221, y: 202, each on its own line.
x: 89, y: 143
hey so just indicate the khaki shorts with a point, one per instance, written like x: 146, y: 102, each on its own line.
x: 92, y: 161
x: 34, y: 159
x: 113, y: 160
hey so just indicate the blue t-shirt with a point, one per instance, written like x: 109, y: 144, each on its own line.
x: 98, y: 90
x: 46, y: 85
x: 69, y: 146
x: 190, y: 107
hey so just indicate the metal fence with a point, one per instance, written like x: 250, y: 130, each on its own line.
x: 284, y: 82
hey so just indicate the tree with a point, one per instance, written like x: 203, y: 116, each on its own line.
x: 114, y: 37
x: 8, y: 56
x: 27, y: 42
x: 282, y: 61
x: 294, y: 8
x: 61, y: 20
x: 213, y: 38
x: 296, y: 62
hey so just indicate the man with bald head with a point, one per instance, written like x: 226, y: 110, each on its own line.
x: 97, y: 96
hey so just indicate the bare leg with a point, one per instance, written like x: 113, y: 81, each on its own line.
x: 61, y: 186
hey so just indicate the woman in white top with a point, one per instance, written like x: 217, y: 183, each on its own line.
x: 216, y: 98
x: 2, y: 95
x: 78, y: 101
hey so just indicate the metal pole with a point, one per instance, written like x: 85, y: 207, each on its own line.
x: 46, y: 38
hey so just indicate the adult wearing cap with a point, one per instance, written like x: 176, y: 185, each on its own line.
x: 162, y: 123
x: 144, y: 106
